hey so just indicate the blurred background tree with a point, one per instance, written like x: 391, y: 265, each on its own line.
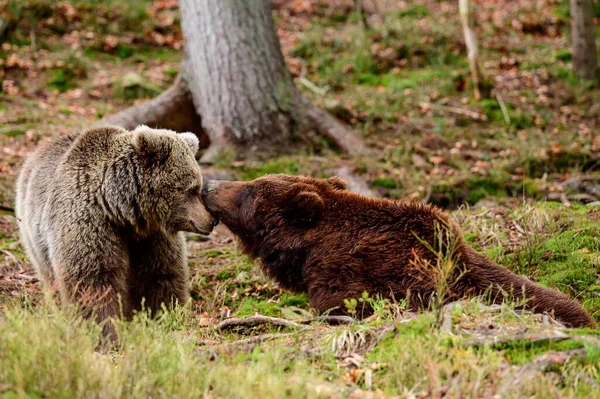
x: 583, y: 36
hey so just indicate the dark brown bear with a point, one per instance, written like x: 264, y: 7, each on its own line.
x: 314, y: 236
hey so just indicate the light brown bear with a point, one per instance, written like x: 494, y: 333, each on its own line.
x: 312, y: 235
x: 101, y: 215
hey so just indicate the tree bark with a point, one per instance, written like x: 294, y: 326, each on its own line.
x: 235, y: 86
x: 585, y: 58
x: 238, y: 77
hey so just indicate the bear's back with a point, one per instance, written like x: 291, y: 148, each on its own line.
x: 34, y: 185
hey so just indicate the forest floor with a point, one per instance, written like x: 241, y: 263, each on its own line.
x: 518, y: 171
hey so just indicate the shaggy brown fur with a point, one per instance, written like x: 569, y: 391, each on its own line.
x: 100, y: 216
x: 314, y: 236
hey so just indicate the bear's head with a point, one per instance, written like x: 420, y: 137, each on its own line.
x: 270, y: 202
x: 277, y: 217
x: 167, y: 181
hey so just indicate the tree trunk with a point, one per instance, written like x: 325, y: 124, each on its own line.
x: 240, y: 88
x: 585, y: 60
x: 237, y: 74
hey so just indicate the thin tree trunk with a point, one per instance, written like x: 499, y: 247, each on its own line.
x: 479, y: 89
x: 585, y: 58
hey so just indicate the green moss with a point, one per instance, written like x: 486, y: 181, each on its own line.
x: 518, y: 118
x: 224, y: 275
x: 523, y: 352
x: 212, y: 253
x: 563, y: 55
x: 14, y: 132
x: 531, y: 189
x: 387, y: 182
x: 413, y: 11
x: 61, y: 79
x: 278, y: 165
x: 288, y: 299
x: 250, y: 306
x: 536, y: 166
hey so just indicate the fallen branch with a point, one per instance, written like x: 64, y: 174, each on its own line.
x: 333, y: 320
x: 455, y: 110
x: 529, y: 338
x: 565, y: 199
x: 254, y: 321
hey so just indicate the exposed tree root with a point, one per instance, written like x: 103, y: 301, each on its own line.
x: 332, y: 320
x: 256, y: 320
x: 173, y: 109
x: 333, y: 130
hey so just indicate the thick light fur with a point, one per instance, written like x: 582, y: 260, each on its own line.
x: 101, y: 215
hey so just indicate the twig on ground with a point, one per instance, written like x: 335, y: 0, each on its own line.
x: 566, y: 199
x: 455, y: 110
x: 245, y: 345
x: 530, y: 338
x: 504, y: 109
x: 256, y: 320
x: 333, y: 320
x: 321, y: 91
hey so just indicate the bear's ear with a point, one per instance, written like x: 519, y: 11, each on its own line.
x: 337, y: 182
x: 151, y: 147
x: 191, y: 140
x: 303, y: 207
x: 145, y: 142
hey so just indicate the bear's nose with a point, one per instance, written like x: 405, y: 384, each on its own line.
x: 209, y: 186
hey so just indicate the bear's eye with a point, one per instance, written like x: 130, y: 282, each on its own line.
x: 194, y: 191
x: 248, y: 191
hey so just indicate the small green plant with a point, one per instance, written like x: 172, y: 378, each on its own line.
x: 61, y: 79
x: 445, y: 272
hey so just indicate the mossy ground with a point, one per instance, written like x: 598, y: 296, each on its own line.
x: 399, y: 85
